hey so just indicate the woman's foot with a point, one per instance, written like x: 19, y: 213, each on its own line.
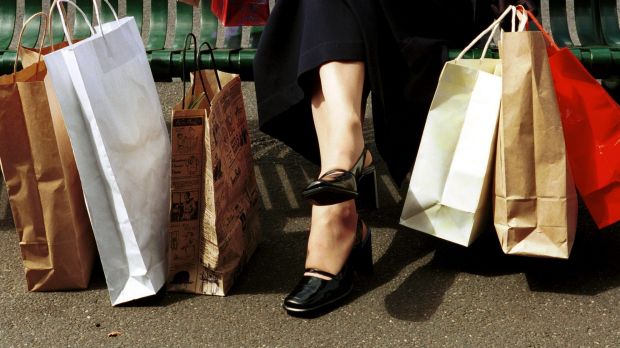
x: 332, y: 236
x: 337, y: 113
x: 338, y: 245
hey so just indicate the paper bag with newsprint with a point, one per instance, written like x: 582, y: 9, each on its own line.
x: 214, y: 222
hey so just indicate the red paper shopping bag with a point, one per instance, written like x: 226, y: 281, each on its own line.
x: 241, y: 12
x: 591, y: 122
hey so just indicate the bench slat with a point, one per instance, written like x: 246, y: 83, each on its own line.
x: 7, y: 59
x: 208, y: 24
x: 232, y: 37
x: 8, y: 14
x: 58, y: 35
x: 255, y: 34
x: 184, y: 22
x: 135, y: 9
x: 587, y: 19
x: 559, y: 23
x: 609, y: 22
x: 31, y: 34
x: 106, y: 14
x: 80, y: 28
x: 158, y: 27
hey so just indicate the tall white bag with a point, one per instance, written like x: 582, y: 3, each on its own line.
x: 448, y: 194
x: 112, y: 111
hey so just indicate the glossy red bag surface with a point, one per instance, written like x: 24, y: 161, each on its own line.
x: 591, y: 123
x: 233, y: 13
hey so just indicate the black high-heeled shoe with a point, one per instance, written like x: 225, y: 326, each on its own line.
x: 313, y: 293
x: 339, y: 185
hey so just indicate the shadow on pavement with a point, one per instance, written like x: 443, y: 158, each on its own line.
x: 6, y: 218
x: 593, y: 268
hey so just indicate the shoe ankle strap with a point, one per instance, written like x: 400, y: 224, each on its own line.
x: 357, y: 169
x: 318, y: 271
x: 334, y: 171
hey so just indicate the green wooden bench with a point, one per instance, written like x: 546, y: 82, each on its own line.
x: 596, y: 23
x: 165, y: 59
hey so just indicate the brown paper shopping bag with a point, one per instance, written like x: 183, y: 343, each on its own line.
x: 535, y: 201
x: 43, y: 185
x: 214, y: 222
x: 30, y: 56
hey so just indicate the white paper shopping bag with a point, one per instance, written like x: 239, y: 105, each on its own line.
x: 448, y: 194
x: 113, y: 114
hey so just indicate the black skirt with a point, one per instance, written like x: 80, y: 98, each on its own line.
x: 301, y: 36
x: 403, y: 44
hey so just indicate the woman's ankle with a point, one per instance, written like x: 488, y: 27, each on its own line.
x: 343, y: 215
x: 332, y: 236
x: 343, y: 149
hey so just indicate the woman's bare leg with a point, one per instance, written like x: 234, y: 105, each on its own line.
x: 336, y: 109
x: 337, y: 112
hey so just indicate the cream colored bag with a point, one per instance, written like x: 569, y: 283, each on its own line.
x: 449, y: 194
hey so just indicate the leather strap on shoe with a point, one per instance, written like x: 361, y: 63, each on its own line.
x: 335, y: 171
x: 318, y: 271
x: 357, y: 169
x: 359, y: 231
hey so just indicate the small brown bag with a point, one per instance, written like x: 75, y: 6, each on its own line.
x: 30, y: 56
x: 43, y: 185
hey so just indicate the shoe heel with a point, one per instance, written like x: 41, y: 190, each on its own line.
x: 362, y: 262
x: 368, y: 199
